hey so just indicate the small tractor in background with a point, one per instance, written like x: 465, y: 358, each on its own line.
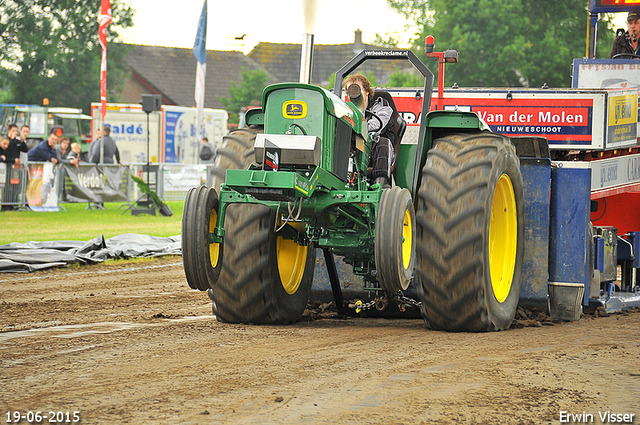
x: 451, y: 223
x: 43, y: 119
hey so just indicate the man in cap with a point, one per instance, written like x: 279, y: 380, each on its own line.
x: 626, y: 43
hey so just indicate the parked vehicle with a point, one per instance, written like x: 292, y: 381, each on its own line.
x: 41, y: 119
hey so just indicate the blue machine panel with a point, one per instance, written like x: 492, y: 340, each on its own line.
x: 536, y: 177
x: 569, y: 225
x: 628, y: 249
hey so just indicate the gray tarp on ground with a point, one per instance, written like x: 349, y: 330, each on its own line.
x: 32, y: 256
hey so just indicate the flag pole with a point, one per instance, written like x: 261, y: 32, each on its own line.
x: 105, y: 20
x: 200, y: 52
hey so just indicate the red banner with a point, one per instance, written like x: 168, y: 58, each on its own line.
x: 105, y: 19
x: 562, y: 120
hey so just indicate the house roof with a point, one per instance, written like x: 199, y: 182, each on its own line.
x: 283, y: 61
x: 171, y: 71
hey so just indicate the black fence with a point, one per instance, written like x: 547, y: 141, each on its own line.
x: 43, y: 186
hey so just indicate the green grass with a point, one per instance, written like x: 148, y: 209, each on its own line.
x: 79, y: 224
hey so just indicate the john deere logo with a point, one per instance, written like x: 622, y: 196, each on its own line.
x: 294, y: 109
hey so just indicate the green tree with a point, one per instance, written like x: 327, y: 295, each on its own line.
x: 373, y: 80
x: 390, y: 41
x: 248, y: 92
x: 504, y: 43
x: 50, y: 48
x: 401, y: 79
x: 332, y: 82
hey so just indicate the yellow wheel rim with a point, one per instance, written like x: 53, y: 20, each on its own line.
x: 407, y: 242
x: 214, y: 248
x: 503, y: 238
x: 292, y: 259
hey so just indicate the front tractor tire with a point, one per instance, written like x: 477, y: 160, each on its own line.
x: 470, y: 233
x: 265, y: 278
x: 395, y: 239
x: 201, y: 259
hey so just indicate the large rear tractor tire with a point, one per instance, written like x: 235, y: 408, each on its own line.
x: 236, y: 152
x: 470, y: 233
x: 265, y: 279
x: 201, y: 259
x: 395, y: 239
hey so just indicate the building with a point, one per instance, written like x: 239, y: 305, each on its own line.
x: 170, y: 72
x: 283, y: 61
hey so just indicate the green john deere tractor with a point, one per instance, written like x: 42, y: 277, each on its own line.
x: 296, y: 179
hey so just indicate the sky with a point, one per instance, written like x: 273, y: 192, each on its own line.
x: 278, y: 21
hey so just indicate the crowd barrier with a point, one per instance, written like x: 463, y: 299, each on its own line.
x: 13, y: 186
x: 44, y: 186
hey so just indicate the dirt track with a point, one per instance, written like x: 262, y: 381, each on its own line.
x: 132, y: 344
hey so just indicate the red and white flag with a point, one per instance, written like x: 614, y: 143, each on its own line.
x: 105, y: 20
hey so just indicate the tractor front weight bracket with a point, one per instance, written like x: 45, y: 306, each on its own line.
x: 318, y: 196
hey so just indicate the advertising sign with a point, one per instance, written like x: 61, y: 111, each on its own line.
x: 172, y: 135
x: 128, y: 125
x: 42, y: 194
x: 182, y: 177
x: 93, y: 183
x: 180, y: 137
x: 569, y: 119
x: 622, y: 118
x: 615, y: 172
x: 179, y: 128
x: 606, y: 73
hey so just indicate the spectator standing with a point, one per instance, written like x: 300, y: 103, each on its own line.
x: 98, y: 134
x: 62, y: 148
x: 110, y: 149
x: 64, y: 155
x: 64, y: 151
x: 74, y: 155
x: 24, y: 133
x: 15, y: 145
x: 84, y: 156
x: 11, y: 192
x: 45, y: 150
x: 12, y: 132
x: 207, y: 152
x: 4, y: 146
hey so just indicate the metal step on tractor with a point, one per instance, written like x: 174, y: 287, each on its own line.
x: 296, y: 179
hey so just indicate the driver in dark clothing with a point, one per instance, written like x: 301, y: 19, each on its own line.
x: 626, y: 43
x: 378, y: 114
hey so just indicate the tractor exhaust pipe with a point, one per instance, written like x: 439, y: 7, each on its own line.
x: 306, y: 59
